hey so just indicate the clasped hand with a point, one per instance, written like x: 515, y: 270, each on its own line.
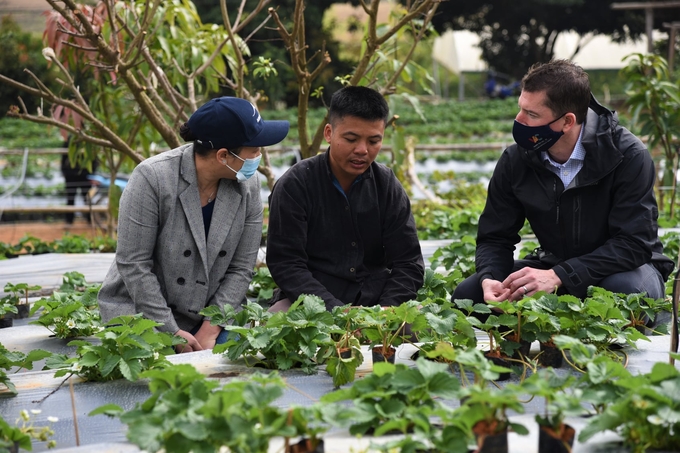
x: 523, y: 282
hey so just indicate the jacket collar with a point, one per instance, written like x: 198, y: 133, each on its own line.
x: 227, y: 201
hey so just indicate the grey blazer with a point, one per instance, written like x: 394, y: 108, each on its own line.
x: 164, y: 268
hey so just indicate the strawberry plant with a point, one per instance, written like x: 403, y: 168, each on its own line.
x: 71, y: 313
x: 129, y: 345
x: 19, y: 360
x: 346, y: 356
x: 647, y: 413
x: 300, y: 337
x: 12, y: 438
x: 187, y: 412
x: 393, y: 398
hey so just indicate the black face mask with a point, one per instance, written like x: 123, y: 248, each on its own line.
x: 536, y: 138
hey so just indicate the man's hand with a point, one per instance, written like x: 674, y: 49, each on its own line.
x: 192, y: 343
x: 494, y: 290
x: 528, y: 281
x: 207, y: 335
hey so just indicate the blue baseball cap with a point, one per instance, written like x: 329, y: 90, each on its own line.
x: 230, y: 122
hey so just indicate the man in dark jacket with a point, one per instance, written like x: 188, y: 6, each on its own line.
x: 340, y: 224
x: 586, y: 186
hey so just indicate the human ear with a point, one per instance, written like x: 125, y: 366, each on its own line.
x: 328, y: 132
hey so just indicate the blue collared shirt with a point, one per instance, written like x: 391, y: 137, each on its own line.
x: 568, y: 170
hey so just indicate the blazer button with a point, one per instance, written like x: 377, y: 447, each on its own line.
x: 180, y: 281
x: 187, y: 253
x: 351, y: 269
x: 222, y: 253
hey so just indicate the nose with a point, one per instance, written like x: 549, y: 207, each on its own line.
x: 361, y: 148
x: 521, y: 118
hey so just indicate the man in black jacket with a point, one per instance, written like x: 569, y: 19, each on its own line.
x: 340, y: 224
x: 586, y: 186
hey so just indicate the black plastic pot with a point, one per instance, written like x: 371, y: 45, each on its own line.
x: 551, y: 442
x: 307, y: 446
x: 380, y: 356
x: 346, y: 353
x: 6, y: 322
x: 496, y: 443
x: 523, y: 351
x: 550, y: 356
x: 500, y: 361
x: 22, y: 311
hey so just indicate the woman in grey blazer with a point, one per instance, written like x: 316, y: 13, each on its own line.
x: 190, y: 224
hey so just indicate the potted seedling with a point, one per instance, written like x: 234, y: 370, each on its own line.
x: 384, y: 327
x: 544, y: 310
x: 394, y: 398
x: 438, y: 321
x: 646, y: 413
x: 640, y: 310
x: 346, y: 356
x: 486, y: 409
x: 18, y: 295
x: 519, y: 322
x: 481, y: 317
x: 555, y: 436
x: 7, y: 312
x: 307, y: 424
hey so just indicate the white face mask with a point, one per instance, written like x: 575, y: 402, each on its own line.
x: 248, y: 168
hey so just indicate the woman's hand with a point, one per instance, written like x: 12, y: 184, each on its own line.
x: 192, y: 343
x: 207, y: 335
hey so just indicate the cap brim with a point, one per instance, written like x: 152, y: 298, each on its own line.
x: 272, y: 133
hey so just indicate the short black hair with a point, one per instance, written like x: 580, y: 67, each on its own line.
x: 361, y: 102
x: 566, y: 86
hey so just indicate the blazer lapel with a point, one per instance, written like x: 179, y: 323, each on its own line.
x: 191, y: 204
x: 226, y: 206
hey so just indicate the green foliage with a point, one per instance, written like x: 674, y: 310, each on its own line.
x: 459, y: 255
x: 439, y: 322
x: 71, y: 312
x: 647, y: 412
x: 12, y: 438
x: 67, y: 244
x: 485, y: 409
x: 187, y: 412
x: 393, y: 398
x: 384, y: 326
x: 546, y: 383
x: 437, y: 286
x: 19, y: 360
x: 17, y: 292
x: 347, y: 356
x: 20, y: 51
x: 262, y: 285
x: 654, y: 99
x: 129, y: 345
x: 300, y: 337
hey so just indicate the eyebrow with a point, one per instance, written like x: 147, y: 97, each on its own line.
x: 354, y: 134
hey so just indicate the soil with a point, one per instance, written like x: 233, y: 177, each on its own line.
x: 11, y: 233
